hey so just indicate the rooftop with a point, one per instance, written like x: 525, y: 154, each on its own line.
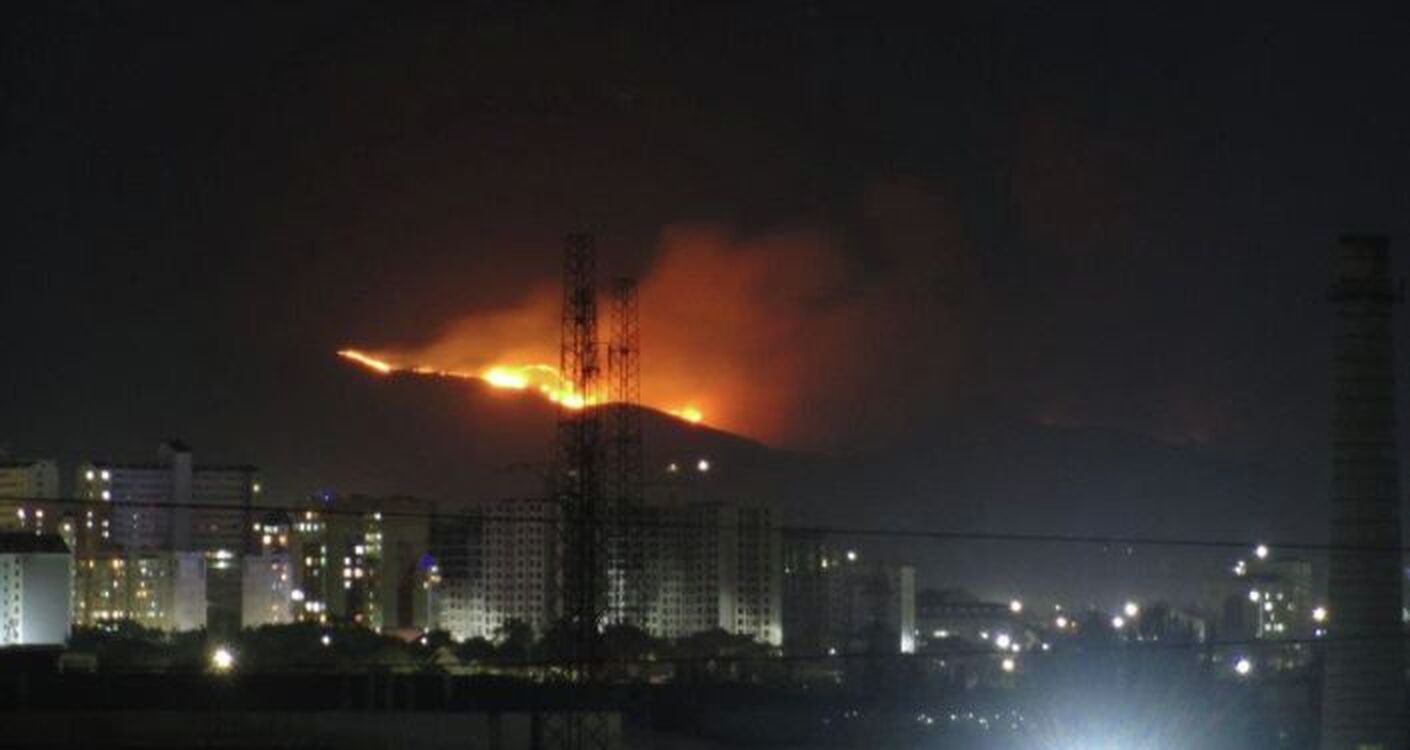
x: 20, y: 543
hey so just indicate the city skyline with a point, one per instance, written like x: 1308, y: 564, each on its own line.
x: 904, y: 371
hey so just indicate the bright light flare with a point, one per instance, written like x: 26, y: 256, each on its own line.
x: 222, y: 659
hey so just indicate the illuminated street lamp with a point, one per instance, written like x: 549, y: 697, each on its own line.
x: 1118, y: 622
x: 222, y: 659
x: 1243, y: 666
x: 1131, y: 609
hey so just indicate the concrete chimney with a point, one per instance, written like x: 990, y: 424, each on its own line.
x: 1363, y: 693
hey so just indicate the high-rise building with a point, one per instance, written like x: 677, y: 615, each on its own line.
x: 1363, y: 697
x: 715, y: 565
x: 457, y: 575
x: 1267, y: 599
x: 36, y: 588
x: 404, y: 596
x: 160, y: 590
x: 173, y: 503
x: 268, y: 585
x: 357, y: 560
x: 25, y: 486
x: 520, y: 547
x: 152, y: 514
x: 836, y: 602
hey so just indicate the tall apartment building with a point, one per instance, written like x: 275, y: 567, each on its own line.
x: 173, y: 503
x: 160, y: 590
x: 25, y: 486
x: 268, y: 586
x: 709, y: 565
x: 145, y: 526
x: 457, y: 574
x: 715, y: 565
x: 361, y: 561
x: 35, y: 589
x: 520, y: 547
x: 495, y: 563
x: 834, y: 601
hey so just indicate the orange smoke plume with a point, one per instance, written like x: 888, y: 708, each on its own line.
x: 779, y: 337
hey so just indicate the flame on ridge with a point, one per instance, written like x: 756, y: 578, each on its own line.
x: 542, y: 378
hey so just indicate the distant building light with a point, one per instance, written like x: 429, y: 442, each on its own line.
x: 297, y: 595
x: 851, y: 555
x: 327, y: 640
x: 1131, y: 609
x: 1243, y: 666
x: 88, y: 475
x: 1253, y: 595
x: 1008, y: 664
x: 1261, y: 552
x: 107, y: 475
x: 673, y: 467
x: 1060, y: 622
x: 1015, y: 606
x: 1319, y: 614
x: 1002, y: 640
x: 1118, y: 622
x: 107, y: 495
x: 703, y: 465
x: 942, y: 634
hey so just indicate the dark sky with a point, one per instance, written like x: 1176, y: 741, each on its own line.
x: 1078, y: 219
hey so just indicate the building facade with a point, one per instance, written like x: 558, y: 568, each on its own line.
x: 837, y: 602
x: 36, y: 589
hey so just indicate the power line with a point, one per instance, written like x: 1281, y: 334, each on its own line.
x: 821, y: 530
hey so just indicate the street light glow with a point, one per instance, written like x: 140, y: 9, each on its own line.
x: 1131, y: 609
x: 1261, y: 552
x: 1243, y: 666
x: 222, y: 659
x: 1015, y: 606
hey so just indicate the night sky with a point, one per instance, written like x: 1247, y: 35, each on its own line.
x: 1009, y: 265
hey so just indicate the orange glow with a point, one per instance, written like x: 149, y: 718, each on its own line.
x: 371, y: 363
x: 689, y: 414
x: 540, y: 378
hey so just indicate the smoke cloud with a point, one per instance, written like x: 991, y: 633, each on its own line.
x: 792, y: 336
